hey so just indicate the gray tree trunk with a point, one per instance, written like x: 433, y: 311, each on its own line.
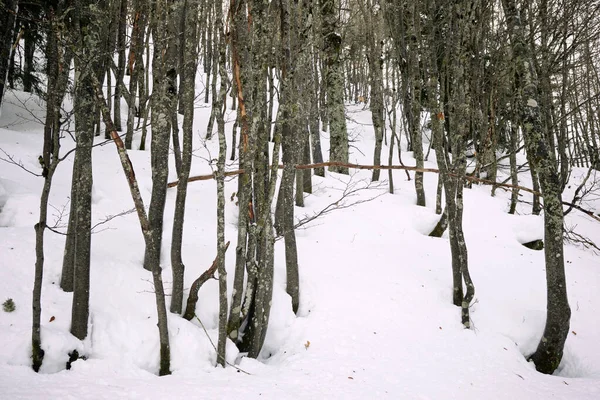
x: 190, y: 63
x: 136, y: 66
x: 57, y: 72
x: 221, y: 246
x: 88, y: 59
x: 120, y: 63
x: 242, y: 72
x: 161, y: 129
x: 332, y: 49
x: 314, y: 125
x: 549, y: 352
x: 7, y: 26
x: 405, y: 20
x: 453, y: 53
x: 264, y: 184
x: 375, y: 58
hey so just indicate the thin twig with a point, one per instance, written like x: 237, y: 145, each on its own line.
x: 11, y: 160
x: 214, y: 347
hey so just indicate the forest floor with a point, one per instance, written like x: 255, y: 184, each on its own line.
x: 375, y: 318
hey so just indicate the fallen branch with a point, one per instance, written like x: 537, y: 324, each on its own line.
x: 360, y: 166
x: 190, y: 308
x: 396, y: 167
x: 206, y: 177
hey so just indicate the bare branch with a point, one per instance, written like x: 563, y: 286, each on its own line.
x: 11, y: 160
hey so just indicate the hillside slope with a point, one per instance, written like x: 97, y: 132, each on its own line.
x: 375, y: 320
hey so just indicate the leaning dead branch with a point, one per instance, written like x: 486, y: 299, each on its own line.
x: 190, y: 309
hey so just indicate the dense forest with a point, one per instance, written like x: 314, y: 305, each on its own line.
x: 475, y: 82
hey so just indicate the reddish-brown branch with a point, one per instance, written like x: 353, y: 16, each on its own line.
x: 190, y: 309
x: 207, y: 177
x: 395, y: 167
x: 367, y: 167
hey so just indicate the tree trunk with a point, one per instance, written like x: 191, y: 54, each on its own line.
x: 135, y: 67
x: 29, y: 68
x: 375, y: 59
x: 7, y: 26
x: 314, y: 126
x: 242, y: 72
x: 332, y: 48
x: 121, y: 63
x: 188, y: 86
x: 57, y: 83
x: 87, y: 61
x: 161, y: 129
x: 549, y: 352
x: 221, y: 246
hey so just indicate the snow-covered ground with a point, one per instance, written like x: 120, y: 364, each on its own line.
x: 375, y: 320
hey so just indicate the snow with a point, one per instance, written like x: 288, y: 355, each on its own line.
x: 375, y: 318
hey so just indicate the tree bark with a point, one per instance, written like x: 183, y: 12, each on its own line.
x: 7, y: 26
x: 219, y: 105
x: 549, y: 352
x: 120, y: 63
x: 332, y: 49
x: 57, y: 83
x: 188, y: 85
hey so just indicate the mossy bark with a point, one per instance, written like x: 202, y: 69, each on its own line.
x: 332, y: 50
x: 549, y: 352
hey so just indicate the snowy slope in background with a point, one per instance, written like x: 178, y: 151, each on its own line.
x: 375, y: 318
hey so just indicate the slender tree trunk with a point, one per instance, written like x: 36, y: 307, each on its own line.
x: 135, y: 67
x: 314, y: 126
x: 241, y: 72
x: 332, y: 48
x: 7, y: 26
x: 221, y: 246
x: 514, y: 198
x: 120, y: 63
x: 56, y: 88
x: 29, y: 67
x: 375, y: 58
x: 189, y: 76
x: 88, y: 60
x: 37, y: 355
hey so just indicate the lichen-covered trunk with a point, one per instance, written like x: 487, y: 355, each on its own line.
x: 375, y: 58
x: 161, y: 129
x: 56, y: 89
x: 122, y: 25
x: 314, y: 125
x: 263, y: 184
x: 454, y: 83
x: 404, y: 19
x: 136, y: 67
x: 88, y: 59
x: 82, y: 191
x: 241, y: 74
x: 221, y: 246
x: 514, y: 177
x: 190, y: 60
x: 549, y: 352
x: 413, y: 105
x: 332, y: 50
